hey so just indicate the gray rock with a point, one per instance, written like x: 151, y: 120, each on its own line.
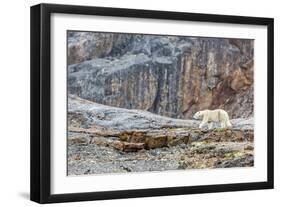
x: 85, y: 114
x: 167, y: 75
x: 247, y: 161
x: 90, y: 114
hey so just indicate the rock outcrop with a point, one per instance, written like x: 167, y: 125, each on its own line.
x: 105, y: 139
x: 89, y: 115
x: 166, y: 75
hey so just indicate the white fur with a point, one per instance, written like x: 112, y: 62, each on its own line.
x: 210, y: 116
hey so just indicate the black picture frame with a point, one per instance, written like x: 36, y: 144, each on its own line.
x: 41, y: 98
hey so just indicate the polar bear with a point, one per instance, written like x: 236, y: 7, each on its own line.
x: 210, y: 116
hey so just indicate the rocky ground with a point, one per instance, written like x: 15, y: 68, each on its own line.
x: 105, y: 139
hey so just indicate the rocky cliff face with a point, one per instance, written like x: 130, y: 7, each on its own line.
x: 167, y: 75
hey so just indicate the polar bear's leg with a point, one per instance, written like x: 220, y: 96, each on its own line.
x: 204, y: 121
x: 202, y: 124
x: 226, y: 120
x: 210, y: 125
x: 222, y: 120
x: 228, y: 124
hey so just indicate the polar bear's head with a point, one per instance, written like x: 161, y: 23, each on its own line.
x: 198, y: 115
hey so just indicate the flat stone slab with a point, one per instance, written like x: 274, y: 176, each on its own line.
x: 133, y: 140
